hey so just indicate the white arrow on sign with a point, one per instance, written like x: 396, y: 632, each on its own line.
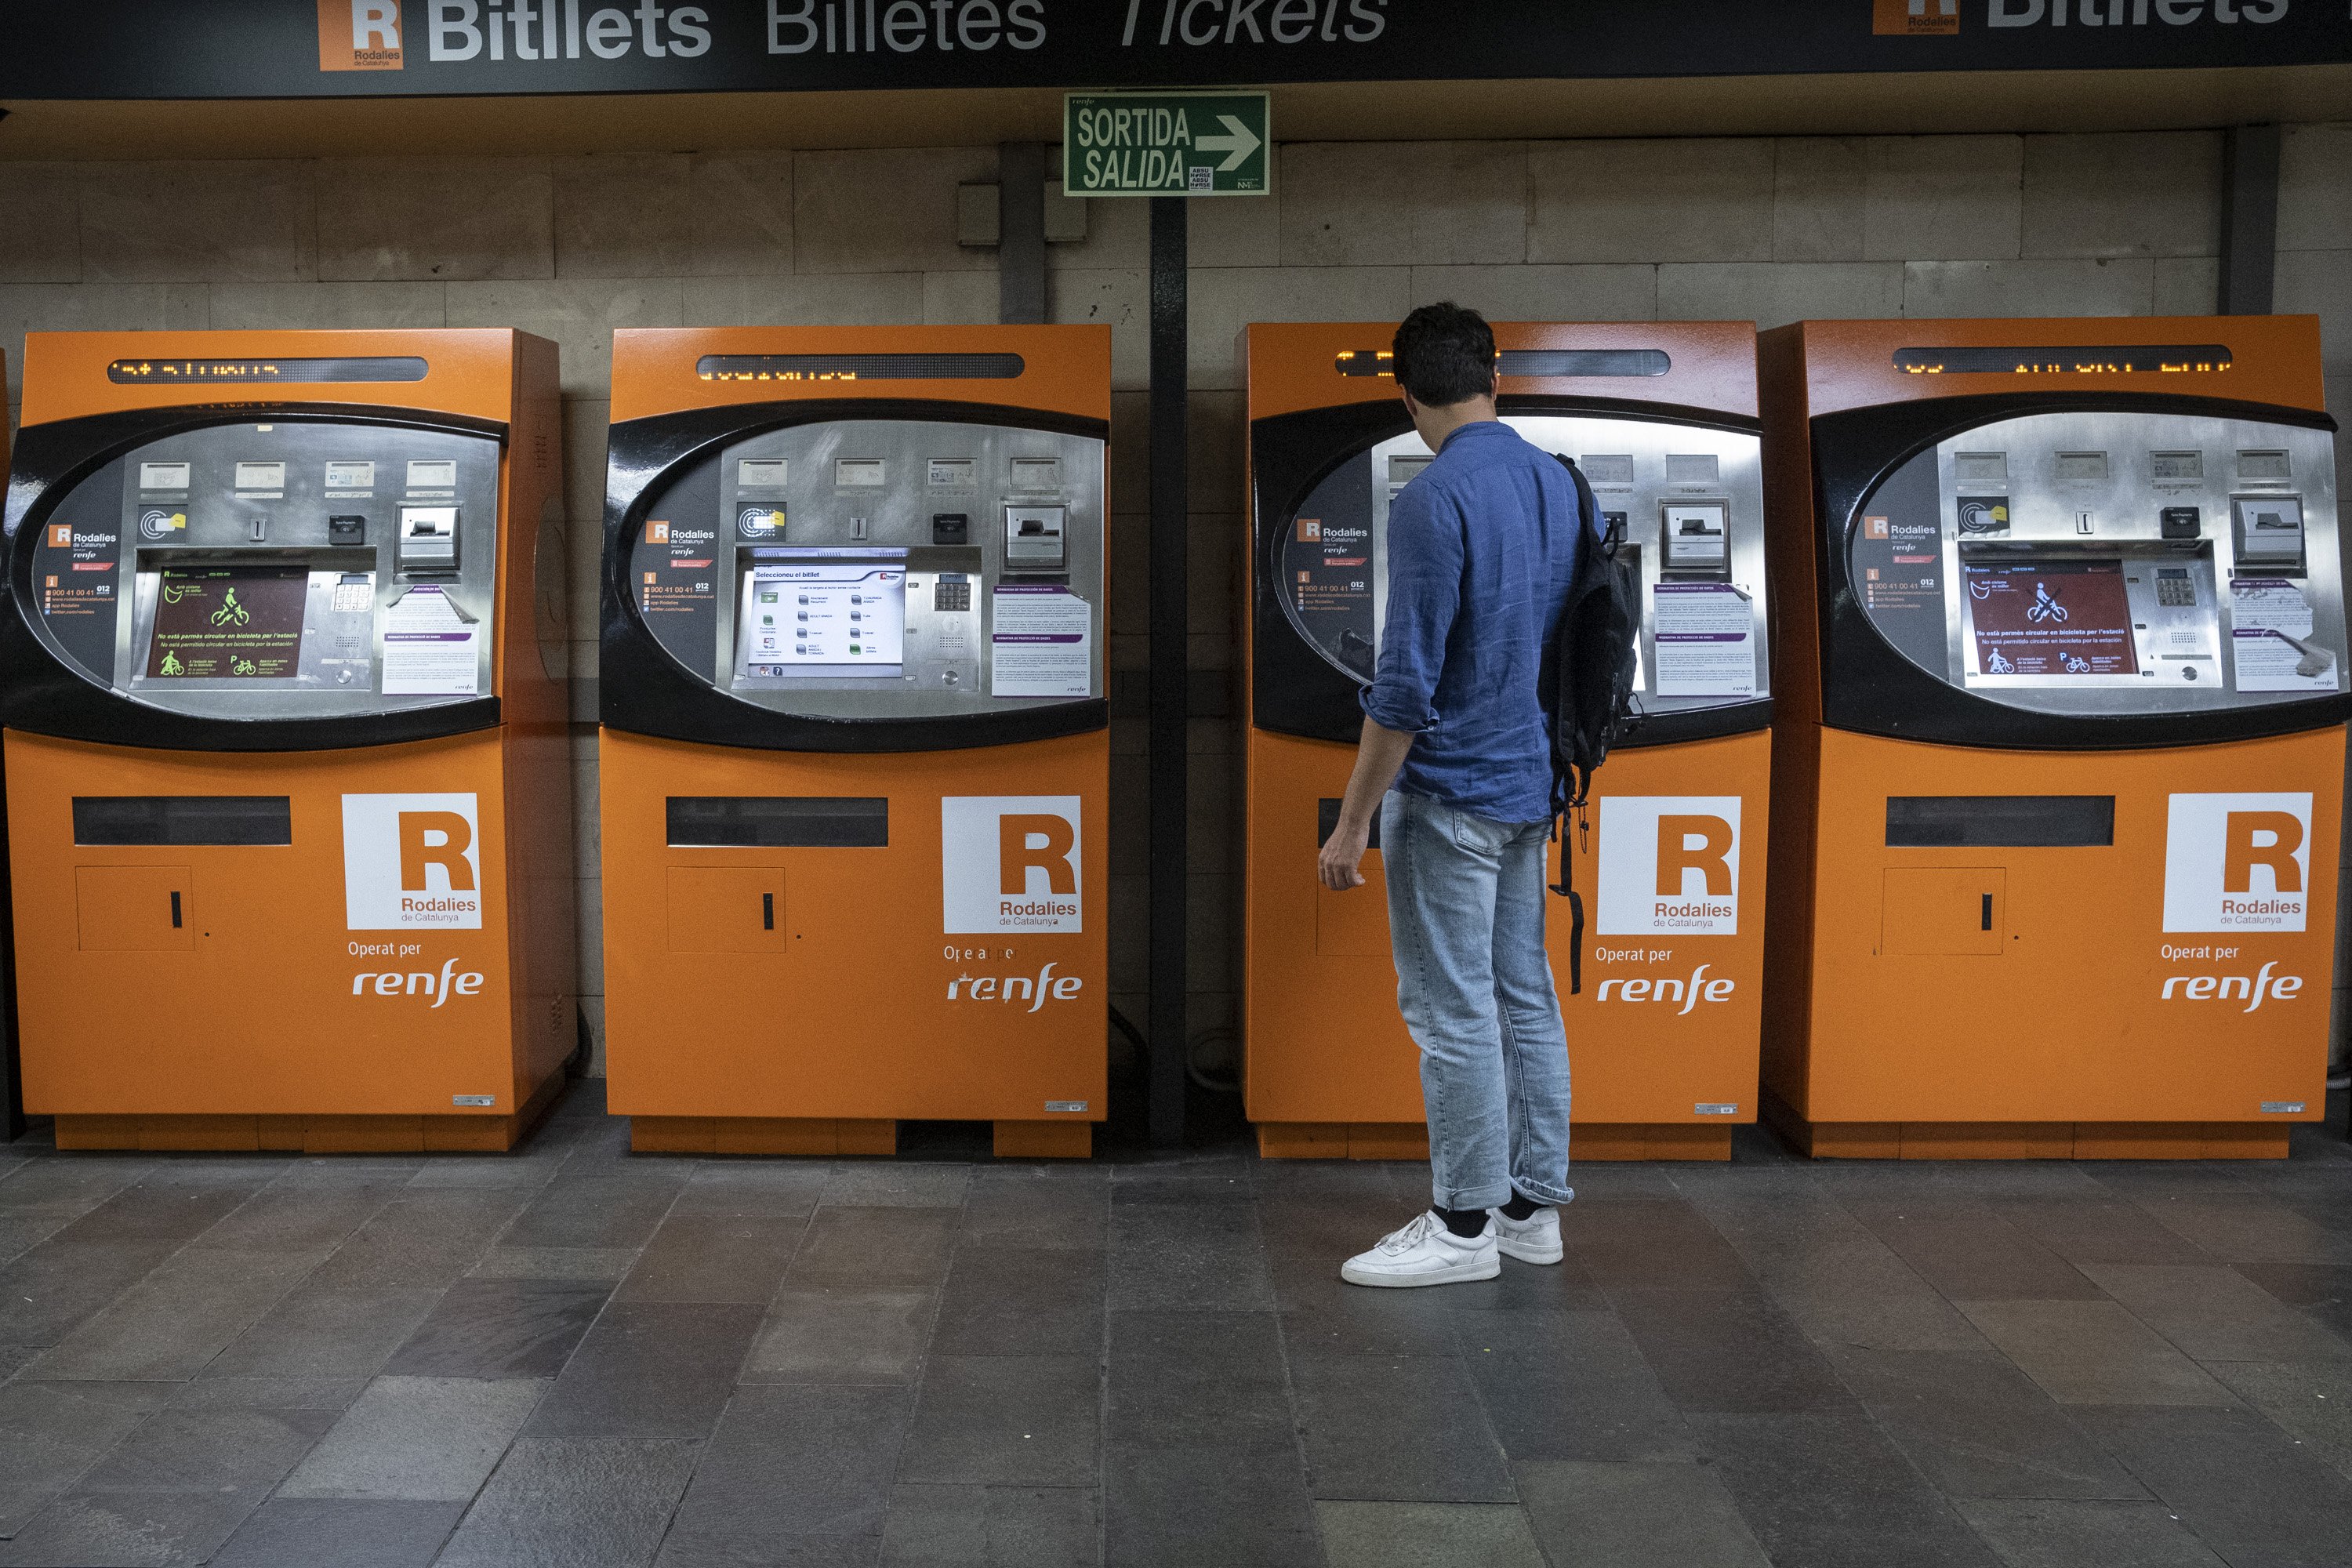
x: 1239, y: 145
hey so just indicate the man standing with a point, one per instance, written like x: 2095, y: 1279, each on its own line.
x: 1481, y: 551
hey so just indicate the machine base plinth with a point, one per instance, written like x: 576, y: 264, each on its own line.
x: 827, y: 1135
x: 2027, y: 1140
x: 312, y: 1135
x: 1410, y: 1141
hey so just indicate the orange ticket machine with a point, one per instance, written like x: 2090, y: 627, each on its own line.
x: 11, y: 1068
x: 287, y: 781
x: 856, y: 742
x: 2061, y: 745
x: 1663, y: 1034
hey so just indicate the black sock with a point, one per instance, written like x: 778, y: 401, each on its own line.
x: 1522, y: 1206
x: 1463, y: 1223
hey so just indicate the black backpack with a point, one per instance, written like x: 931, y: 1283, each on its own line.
x: 1590, y: 695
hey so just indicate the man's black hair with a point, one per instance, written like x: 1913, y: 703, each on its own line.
x: 1445, y: 354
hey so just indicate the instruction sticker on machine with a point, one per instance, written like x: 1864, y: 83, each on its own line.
x: 1705, y: 634
x: 2237, y: 862
x: 1010, y: 862
x: 429, y: 647
x: 412, y: 862
x: 1041, y: 644
x: 1669, y: 866
x: 2270, y: 639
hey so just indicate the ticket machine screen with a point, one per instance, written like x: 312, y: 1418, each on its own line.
x: 2067, y: 618
x: 245, y: 622
x: 2095, y: 562
x: 822, y: 615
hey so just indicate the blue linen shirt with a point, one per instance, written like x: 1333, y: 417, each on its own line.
x: 1481, y: 551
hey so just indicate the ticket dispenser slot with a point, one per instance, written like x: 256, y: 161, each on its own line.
x: 2268, y: 532
x: 1036, y: 538
x: 428, y: 540
x: 1695, y: 540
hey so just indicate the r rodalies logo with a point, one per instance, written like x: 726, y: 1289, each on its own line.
x: 410, y: 862
x: 2237, y: 862
x: 1010, y: 862
x: 1915, y: 18
x: 1669, y: 866
x: 359, y: 34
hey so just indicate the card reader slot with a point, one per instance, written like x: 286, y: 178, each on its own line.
x: 142, y: 819
x: 779, y: 822
x: 2000, y: 821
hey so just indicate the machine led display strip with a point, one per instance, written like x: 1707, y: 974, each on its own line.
x: 1532, y: 363
x: 2093, y: 359
x: 180, y: 372
x: 859, y: 367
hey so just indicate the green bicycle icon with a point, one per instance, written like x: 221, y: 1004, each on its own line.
x: 231, y: 613
x: 241, y: 667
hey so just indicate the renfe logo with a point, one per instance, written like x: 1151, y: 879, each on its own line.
x: 1669, y: 865
x: 2253, y: 990
x: 359, y: 34
x: 1010, y: 862
x: 1689, y: 993
x: 2237, y: 862
x: 411, y: 860
x: 449, y: 982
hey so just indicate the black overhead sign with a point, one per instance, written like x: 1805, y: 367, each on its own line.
x: 358, y: 49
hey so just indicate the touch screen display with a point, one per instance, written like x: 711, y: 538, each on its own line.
x: 2059, y: 618
x: 236, y: 623
x: 825, y: 614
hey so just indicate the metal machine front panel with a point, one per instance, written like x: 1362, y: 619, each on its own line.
x: 883, y: 568
x: 2092, y: 563
x: 274, y: 571
x: 1691, y: 503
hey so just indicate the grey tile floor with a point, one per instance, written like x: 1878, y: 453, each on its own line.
x: 578, y: 1357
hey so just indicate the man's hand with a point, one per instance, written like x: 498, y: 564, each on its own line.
x: 1343, y: 853
x: 1379, y: 754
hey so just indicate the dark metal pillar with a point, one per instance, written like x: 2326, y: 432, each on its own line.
x: 1019, y: 232
x: 1170, y: 633
x: 2250, y: 170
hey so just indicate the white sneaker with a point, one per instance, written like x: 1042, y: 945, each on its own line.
x: 1535, y: 1239
x: 1425, y: 1253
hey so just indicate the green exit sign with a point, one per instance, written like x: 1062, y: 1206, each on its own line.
x: 1165, y: 144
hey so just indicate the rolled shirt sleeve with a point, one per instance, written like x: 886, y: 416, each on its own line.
x: 1425, y: 562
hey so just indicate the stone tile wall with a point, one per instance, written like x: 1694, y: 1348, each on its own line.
x: 1759, y: 229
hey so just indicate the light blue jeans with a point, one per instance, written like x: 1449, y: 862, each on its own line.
x: 1466, y: 923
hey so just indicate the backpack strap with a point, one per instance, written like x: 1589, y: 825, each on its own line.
x: 1571, y: 787
x: 1588, y: 505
